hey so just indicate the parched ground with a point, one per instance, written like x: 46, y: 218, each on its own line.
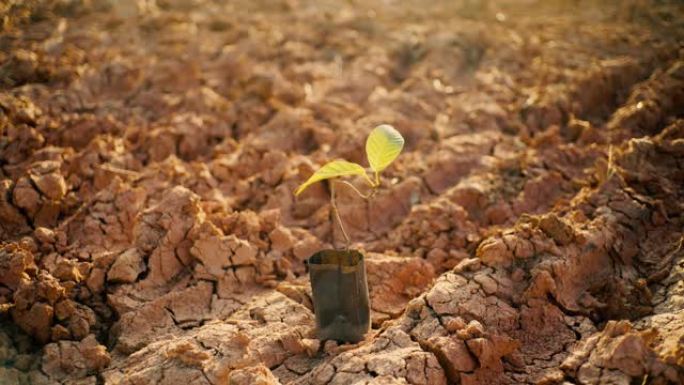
x: 531, y: 233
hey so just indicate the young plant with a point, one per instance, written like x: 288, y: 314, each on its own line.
x: 383, y: 146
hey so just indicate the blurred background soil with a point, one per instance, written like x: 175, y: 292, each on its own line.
x: 530, y: 233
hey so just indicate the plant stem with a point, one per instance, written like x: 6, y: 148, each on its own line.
x: 368, y: 196
x: 337, y: 213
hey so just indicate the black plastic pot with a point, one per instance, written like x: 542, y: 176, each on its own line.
x: 340, y: 295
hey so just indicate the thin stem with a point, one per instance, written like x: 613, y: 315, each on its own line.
x: 337, y: 213
x: 367, y: 196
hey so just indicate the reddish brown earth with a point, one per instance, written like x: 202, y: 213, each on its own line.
x: 532, y: 231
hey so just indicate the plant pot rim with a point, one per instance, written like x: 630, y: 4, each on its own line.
x: 337, y: 257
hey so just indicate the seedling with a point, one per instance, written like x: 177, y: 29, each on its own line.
x: 383, y: 146
x: 338, y: 277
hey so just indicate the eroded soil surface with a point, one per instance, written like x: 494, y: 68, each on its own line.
x: 532, y: 231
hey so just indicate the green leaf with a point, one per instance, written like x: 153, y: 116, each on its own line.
x: 383, y: 146
x: 332, y: 170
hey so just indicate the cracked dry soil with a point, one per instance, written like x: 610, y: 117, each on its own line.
x: 531, y: 233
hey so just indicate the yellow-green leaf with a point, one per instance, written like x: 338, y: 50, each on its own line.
x: 383, y: 146
x: 331, y: 170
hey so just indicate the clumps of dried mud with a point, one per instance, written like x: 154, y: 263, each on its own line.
x: 532, y: 232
